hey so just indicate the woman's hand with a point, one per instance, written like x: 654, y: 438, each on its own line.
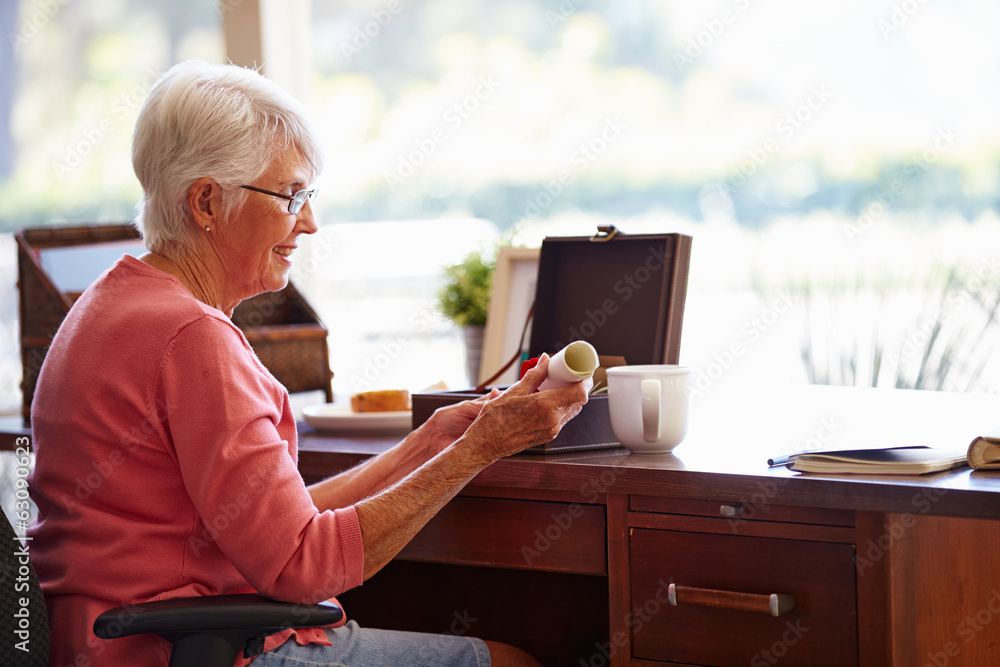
x: 450, y: 422
x: 521, y: 417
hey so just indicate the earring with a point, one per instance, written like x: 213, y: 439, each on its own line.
x: 207, y: 228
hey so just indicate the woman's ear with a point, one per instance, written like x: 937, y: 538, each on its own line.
x: 205, y: 201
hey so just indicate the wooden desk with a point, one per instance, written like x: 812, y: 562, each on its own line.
x: 571, y: 556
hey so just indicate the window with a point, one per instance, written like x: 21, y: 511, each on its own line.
x: 833, y: 163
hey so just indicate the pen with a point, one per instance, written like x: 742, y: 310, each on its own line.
x: 778, y: 461
x: 785, y: 459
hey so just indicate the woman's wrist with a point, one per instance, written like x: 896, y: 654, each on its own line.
x: 433, y: 435
x: 421, y: 442
x: 470, y: 450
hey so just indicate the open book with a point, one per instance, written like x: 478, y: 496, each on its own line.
x: 984, y: 452
x: 917, y: 460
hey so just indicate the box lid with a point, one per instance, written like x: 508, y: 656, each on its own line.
x: 622, y: 293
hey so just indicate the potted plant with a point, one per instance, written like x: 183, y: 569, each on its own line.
x: 465, y: 300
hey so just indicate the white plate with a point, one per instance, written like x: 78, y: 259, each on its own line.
x: 340, y: 418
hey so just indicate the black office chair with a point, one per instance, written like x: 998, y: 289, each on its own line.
x: 24, y: 623
x: 203, y: 630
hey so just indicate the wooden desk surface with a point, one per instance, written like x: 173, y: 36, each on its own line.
x: 729, y: 441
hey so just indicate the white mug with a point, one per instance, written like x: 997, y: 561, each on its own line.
x: 649, y: 406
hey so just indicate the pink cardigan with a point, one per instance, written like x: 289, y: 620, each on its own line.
x: 166, y: 467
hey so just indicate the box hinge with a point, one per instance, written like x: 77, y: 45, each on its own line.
x: 604, y: 233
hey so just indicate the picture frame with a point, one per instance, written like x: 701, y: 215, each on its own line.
x: 511, y: 298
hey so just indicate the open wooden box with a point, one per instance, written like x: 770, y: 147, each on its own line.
x: 281, y: 327
x: 624, y: 294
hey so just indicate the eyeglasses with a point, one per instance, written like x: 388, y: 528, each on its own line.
x: 295, y: 201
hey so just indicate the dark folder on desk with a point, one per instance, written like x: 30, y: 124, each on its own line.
x: 622, y: 293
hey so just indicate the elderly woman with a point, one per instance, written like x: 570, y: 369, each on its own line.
x: 153, y: 419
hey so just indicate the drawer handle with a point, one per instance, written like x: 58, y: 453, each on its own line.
x: 731, y: 510
x: 774, y: 604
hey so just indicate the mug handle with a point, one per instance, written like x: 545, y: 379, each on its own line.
x: 650, y: 409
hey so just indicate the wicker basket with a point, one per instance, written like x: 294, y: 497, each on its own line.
x: 282, y: 328
x: 288, y: 338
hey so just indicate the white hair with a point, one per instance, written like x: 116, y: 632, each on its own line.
x: 223, y: 122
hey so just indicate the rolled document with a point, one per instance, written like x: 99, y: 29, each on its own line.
x: 574, y: 363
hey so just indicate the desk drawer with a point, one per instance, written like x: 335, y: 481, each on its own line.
x: 820, y: 630
x: 522, y: 534
x: 754, y: 507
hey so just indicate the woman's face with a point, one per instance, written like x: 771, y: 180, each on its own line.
x: 259, y: 241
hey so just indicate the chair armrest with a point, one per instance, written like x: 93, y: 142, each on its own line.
x: 241, y: 620
x: 214, y: 613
